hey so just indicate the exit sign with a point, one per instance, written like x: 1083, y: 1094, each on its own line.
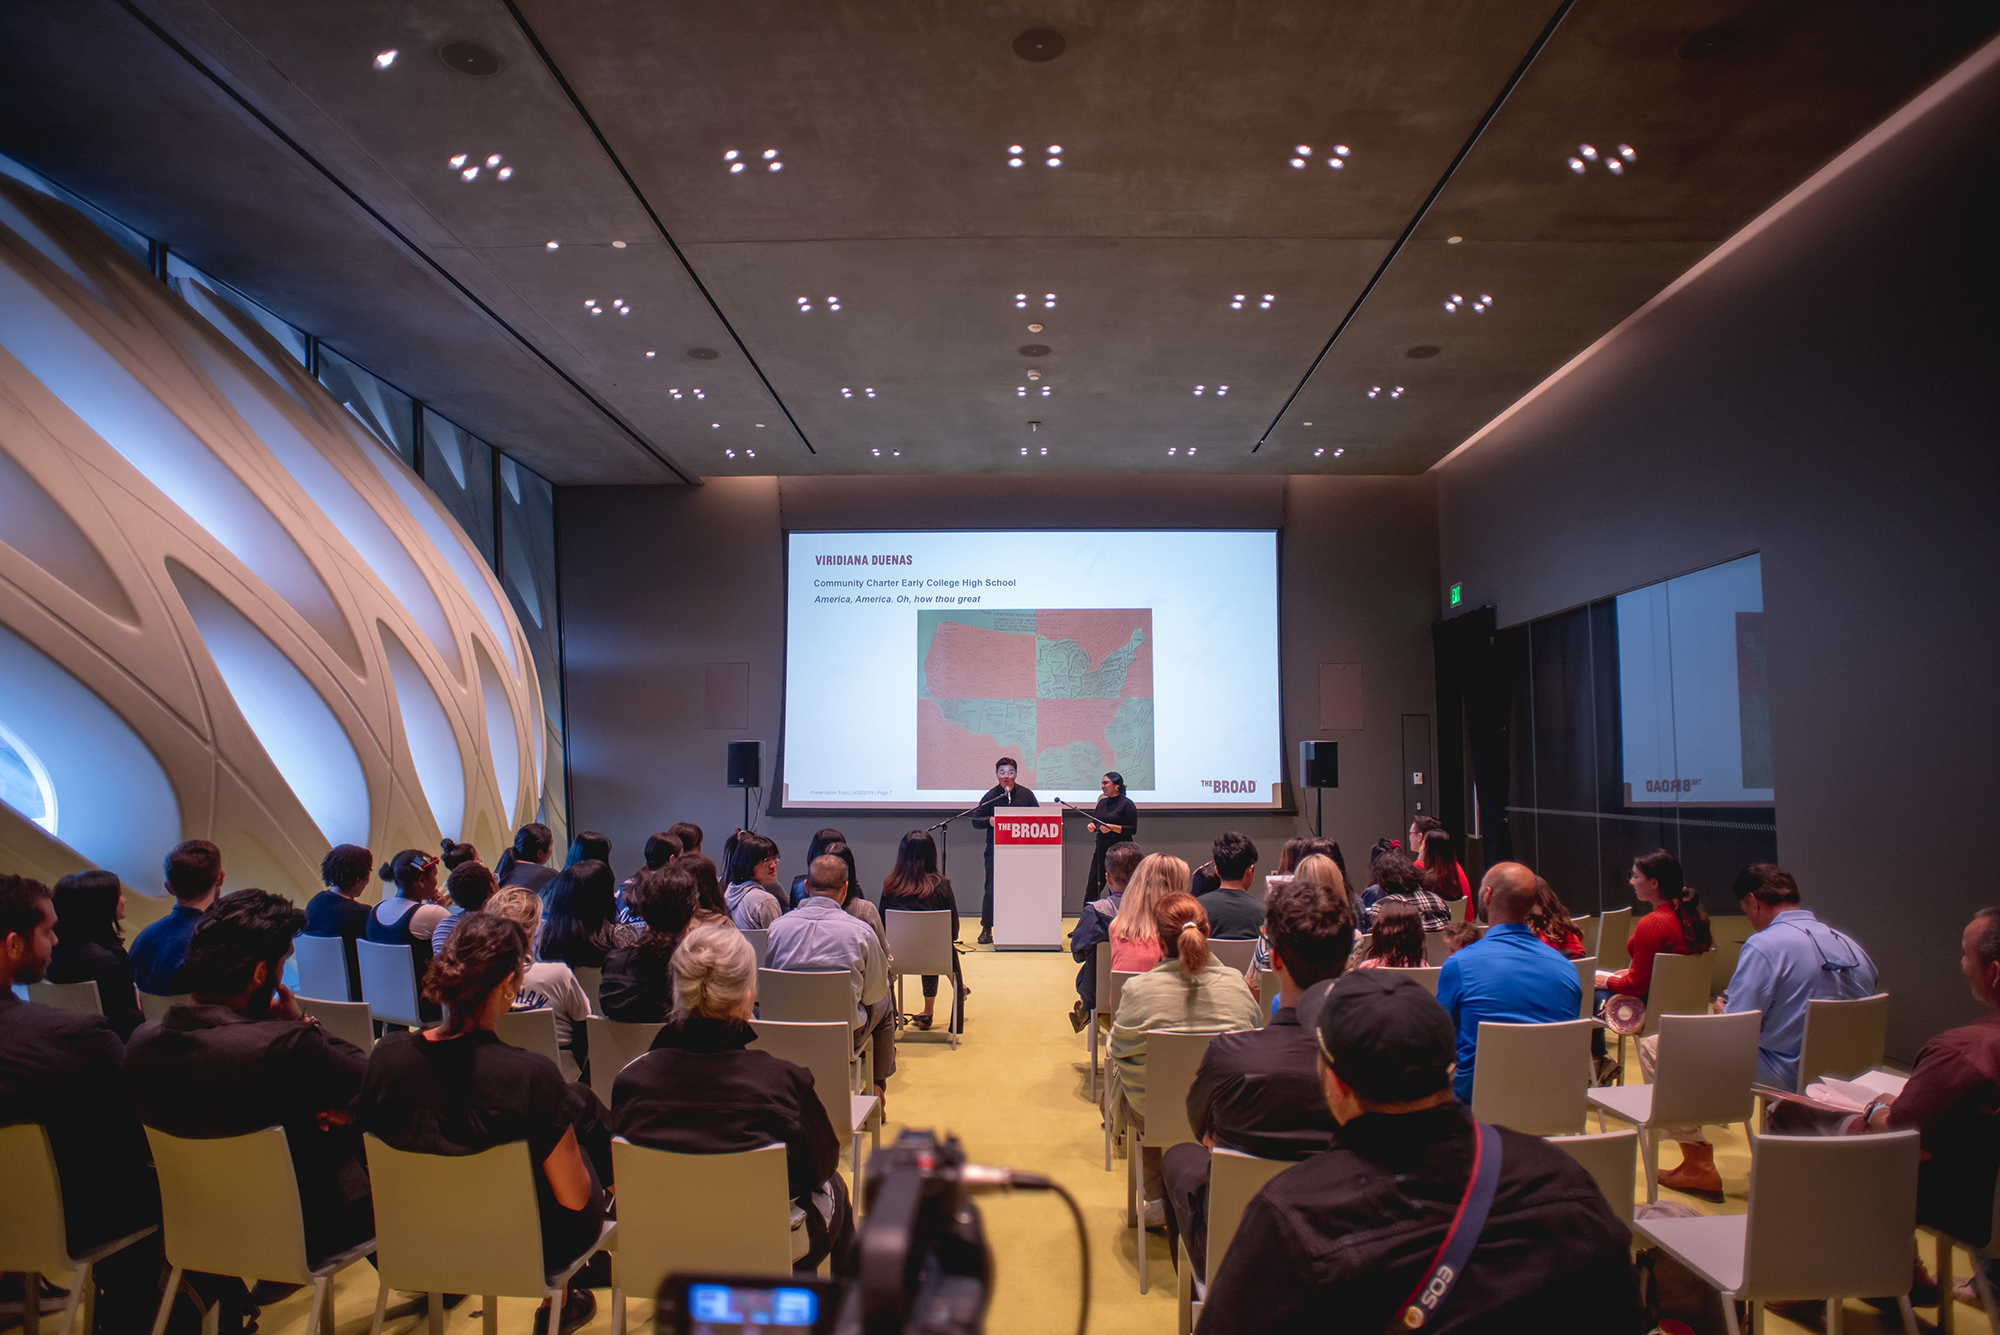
x: 1457, y: 594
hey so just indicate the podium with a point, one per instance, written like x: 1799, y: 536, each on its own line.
x: 1027, y: 879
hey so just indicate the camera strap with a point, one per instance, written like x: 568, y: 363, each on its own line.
x: 1445, y: 1268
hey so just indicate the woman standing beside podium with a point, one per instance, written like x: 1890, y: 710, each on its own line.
x: 1113, y: 820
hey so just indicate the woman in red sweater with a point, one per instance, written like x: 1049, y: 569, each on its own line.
x: 1676, y: 925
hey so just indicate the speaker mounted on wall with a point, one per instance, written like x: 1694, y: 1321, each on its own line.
x: 746, y: 764
x: 1319, y: 764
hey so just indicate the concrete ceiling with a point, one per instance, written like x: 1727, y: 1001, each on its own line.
x: 260, y: 140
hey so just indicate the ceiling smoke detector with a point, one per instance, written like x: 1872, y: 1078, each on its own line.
x: 469, y: 58
x: 703, y: 354
x: 1039, y: 45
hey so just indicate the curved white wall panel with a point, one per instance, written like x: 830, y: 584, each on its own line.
x: 225, y: 613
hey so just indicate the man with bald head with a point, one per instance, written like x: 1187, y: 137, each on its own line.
x: 1509, y: 975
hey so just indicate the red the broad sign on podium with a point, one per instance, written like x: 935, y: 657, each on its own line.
x: 1027, y: 879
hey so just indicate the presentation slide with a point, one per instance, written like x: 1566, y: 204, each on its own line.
x: 1694, y: 694
x: 915, y: 661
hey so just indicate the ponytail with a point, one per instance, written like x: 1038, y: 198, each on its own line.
x: 1694, y: 921
x: 1183, y: 927
x: 532, y: 842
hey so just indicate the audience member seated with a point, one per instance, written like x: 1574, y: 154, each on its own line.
x: 457, y: 1089
x: 1314, y: 868
x: 856, y: 906
x: 194, y: 879
x: 1093, y: 925
x: 61, y: 1070
x: 689, y: 835
x: 1235, y: 913
x: 455, y: 855
x: 1396, y: 877
x: 703, y: 1090
x: 819, y: 936
x: 90, y: 948
x: 660, y: 849
x: 1188, y: 989
x: 638, y: 984
x: 708, y: 885
x: 753, y: 878
x: 239, y: 1056
x: 1673, y: 925
x: 1255, y: 1090
x: 1398, y: 939
x: 914, y: 886
x: 823, y: 842
x: 1790, y: 959
x: 1438, y: 861
x: 337, y: 910
x: 1135, y: 934
x: 1551, y: 922
x: 468, y: 887
x: 588, y: 846
x: 548, y: 985
x: 411, y: 916
x: 582, y: 927
x: 1354, y: 1231
x: 1457, y: 936
x: 526, y: 863
x: 1509, y: 975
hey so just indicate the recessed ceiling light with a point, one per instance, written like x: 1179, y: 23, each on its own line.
x: 1374, y: 391
x: 1199, y: 390
x: 1336, y: 163
x: 1020, y: 391
x: 458, y: 160
x: 730, y: 155
x: 618, y: 245
x: 1318, y: 452
x: 505, y: 173
x: 1045, y: 449
x: 1049, y: 301
x: 1589, y: 153
x: 1024, y: 451
x: 1021, y: 300
x: 469, y: 173
x: 770, y: 153
x: 554, y: 245
x: 1014, y: 148
x: 751, y: 453
x: 1577, y: 165
x: 1034, y: 328
x: 760, y: 426
x: 1453, y: 240
x: 715, y: 426
x: 1055, y: 162
x: 1013, y: 162
x: 895, y: 454
x: 1236, y: 302
x: 1614, y: 166
x: 1220, y: 390
x: 878, y: 453
x: 1034, y: 373
x: 1298, y: 162
x: 1625, y: 152
x: 833, y: 303
x: 1191, y: 449
x: 1342, y: 450
x: 735, y: 167
x: 676, y: 393
x: 493, y: 160
x: 384, y: 59
x: 1396, y: 393
x: 730, y: 453
x: 1267, y: 302
x: 698, y: 394
x: 1305, y: 424
x: 870, y: 391
x: 776, y: 167
x: 650, y: 353
x: 1173, y: 449
x: 590, y: 301
x: 1340, y: 150
x: 1304, y: 150
x: 846, y: 393
x: 1048, y: 390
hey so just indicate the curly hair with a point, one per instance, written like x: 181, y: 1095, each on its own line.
x: 470, y: 885
x: 345, y: 866
x: 485, y: 951
x: 241, y: 930
x: 714, y: 970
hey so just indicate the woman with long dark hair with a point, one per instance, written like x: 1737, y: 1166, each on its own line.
x: 90, y: 948
x: 1674, y: 925
x: 582, y: 927
x: 1550, y: 921
x: 914, y: 886
x: 1113, y: 820
x: 588, y: 846
x: 824, y: 841
x: 707, y: 883
x: 1398, y: 939
x: 1443, y: 876
x: 525, y: 864
x: 752, y: 892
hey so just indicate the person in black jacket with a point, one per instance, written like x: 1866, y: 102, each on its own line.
x: 914, y: 886
x: 1354, y: 1229
x: 60, y: 1069
x: 637, y: 987
x: 90, y: 948
x: 1005, y: 793
x: 1114, y: 820
x: 702, y: 1090
x: 338, y: 910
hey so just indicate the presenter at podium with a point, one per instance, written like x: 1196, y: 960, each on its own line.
x: 1005, y: 793
x: 1113, y: 820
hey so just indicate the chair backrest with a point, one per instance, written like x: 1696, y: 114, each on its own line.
x: 155, y: 1005
x: 822, y: 1048
x: 1611, y: 1158
x: 531, y: 1031
x: 1118, y: 977
x: 1831, y: 1216
x: 423, y: 1205
x: 1612, y: 930
x: 389, y: 983
x: 1436, y: 949
x: 1729, y: 931
x: 1679, y: 987
x: 1706, y: 1065
x: 806, y: 998
x: 1426, y: 978
x: 1101, y: 960
x: 1360, y: 951
x: 32, y: 1239
x: 1533, y: 1078
x: 1238, y: 955
x: 715, y: 1213
x: 920, y: 941
x: 1233, y: 1179
x: 760, y: 941
x: 615, y: 1045
x: 1586, y: 975
x: 230, y: 1205
x: 80, y: 998
x: 592, y: 982
x: 1172, y: 1057
x: 1586, y: 927
x: 1267, y: 995
x: 343, y: 1019
x: 322, y: 962
x: 1843, y: 1038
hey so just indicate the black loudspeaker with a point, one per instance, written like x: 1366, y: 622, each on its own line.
x: 746, y: 764
x: 1319, y: 764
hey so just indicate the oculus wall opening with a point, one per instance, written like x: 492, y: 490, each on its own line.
x: 914, y: 661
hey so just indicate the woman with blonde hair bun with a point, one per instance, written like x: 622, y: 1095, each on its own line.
x: 1190, y: 988
x: 1135, y: 934
x: 703, y: 1090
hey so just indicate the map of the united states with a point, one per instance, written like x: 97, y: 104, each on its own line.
x: 1070, y: 693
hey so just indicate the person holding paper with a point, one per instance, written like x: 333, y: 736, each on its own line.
x: 1004, y: 793
x: 1114, y: 820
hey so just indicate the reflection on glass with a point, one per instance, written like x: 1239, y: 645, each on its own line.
x: 386, y: 411
x: 528, y: 565
x: 24, y: 783
x: 288, y: 338
x: 459, y: 468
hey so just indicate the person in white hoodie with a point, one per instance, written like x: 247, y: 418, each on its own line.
x: 753, y: 881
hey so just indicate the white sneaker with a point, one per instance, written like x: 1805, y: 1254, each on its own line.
x: 1156, y: 1214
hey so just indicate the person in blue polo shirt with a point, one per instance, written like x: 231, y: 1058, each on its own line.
x: 1509, y: 976
x: 194, y: 877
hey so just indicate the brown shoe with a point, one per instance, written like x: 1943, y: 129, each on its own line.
x: 1696, y: 1175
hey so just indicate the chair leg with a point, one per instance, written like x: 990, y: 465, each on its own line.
x: 1107, y: 1153
x: 617, y: 1311
x: 1135, y: 1154
x: 1946, y: 1317
x: 1836, y: 1316
x: 1183, y: 1293
x: 167, y: 1303
x: 1910, y: 1314
x: 326, y: 1326
x: 1649, y: 1149
x: 434, y: 1313
x: 82, y: 1298
x: 211, y: 1320
x: 381, y: 1307
x: 316, y: 1311
x: 31, y: 1304
x: 489, y: 1319
x: 1984, y: 1288
x: 1090, y: 1048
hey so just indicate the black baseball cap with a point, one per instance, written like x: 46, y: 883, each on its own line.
x: 1385, y: 1036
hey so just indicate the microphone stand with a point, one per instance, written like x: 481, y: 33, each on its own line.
x: 944, y: 867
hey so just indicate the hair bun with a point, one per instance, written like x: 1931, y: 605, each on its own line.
x: 387, y: 871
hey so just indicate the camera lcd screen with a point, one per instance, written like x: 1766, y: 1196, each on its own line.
x: 729, y: 1309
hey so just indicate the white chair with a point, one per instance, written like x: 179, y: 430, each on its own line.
x: 1703, y: 1077
x: 1830, y: 1217
x: 1586, y: 927
x: 1981, y: 1252
x: 760, y: 941
x: 155, y: 1005
x: 1843, y: 1038
x: 1728, y: 931
x: 822, y: 1048
x: 1172, y: 1057
x: 1238, y: 955
x: 1233, y: 1179
x: 1532, y: 1078
x: 33, y: 1240
x: 531, y: 1031
x: 1118, y: 977
x: 799, y: 996
x: 921, y: 943
x: 322, y: 962
x: 1436, y: 949
x: 77, y: 998
x: 1612, y: 1160
x: 716, y: 1213
x: 592, y: 982
x: 1679, y: 987
x: 1267, y: 994
x: 343, y: 1019
x: 230, y: 1206
x: 1100, y: 961
x: 1426, y: 978
x: 1613, y: 928
x: 389, y: 983
x: 1586, y: 975
x: 615, y: 1045
x: 422, y: 1205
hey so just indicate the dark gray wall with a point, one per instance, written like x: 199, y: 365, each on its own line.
x: 1826, y: 391
x: 657, y: 582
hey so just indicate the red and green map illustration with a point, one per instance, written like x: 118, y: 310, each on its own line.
x: 1069, y: 692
